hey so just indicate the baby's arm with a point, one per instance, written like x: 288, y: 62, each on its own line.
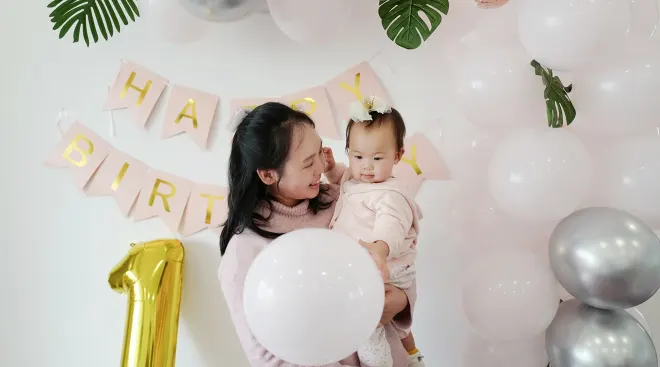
x: 335, y: 174
x: 394, y: 218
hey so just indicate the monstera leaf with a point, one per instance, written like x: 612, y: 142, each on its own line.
x: 92, y: 16
x: 557, y: 102
x: 404, y: 24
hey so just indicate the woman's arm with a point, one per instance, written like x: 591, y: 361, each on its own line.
x: 241, y: 251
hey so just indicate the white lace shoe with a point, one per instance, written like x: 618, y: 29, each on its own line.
x: 416, y: 360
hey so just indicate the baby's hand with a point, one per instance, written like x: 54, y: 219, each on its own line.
x: 379, y: 255
x: 329, y: 159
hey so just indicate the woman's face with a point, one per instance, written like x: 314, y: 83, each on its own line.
x: 302, y: 172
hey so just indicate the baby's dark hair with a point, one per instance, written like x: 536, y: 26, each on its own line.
x: 377, y: 120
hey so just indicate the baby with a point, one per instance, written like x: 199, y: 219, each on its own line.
x: 375, y: 211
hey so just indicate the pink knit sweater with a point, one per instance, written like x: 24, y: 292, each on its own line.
x: 242, y: 250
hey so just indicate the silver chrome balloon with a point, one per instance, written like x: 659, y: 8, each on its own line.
x: 606, y: 258
x: 222, y: 10
x: 585, y: 336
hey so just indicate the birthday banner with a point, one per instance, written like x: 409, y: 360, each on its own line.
x: 138, y: 189
x: 187, y: 207
x: 184, y: 206
x: 192, y: 111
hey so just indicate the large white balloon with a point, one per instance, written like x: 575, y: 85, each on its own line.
x: 509, y: 294
x: 540, y: 174
x: 497, y: 89
x: 562, y: 34
x: 313, y: 297
x: 169, y: 20
x: 619, y: 94
x: 630, y: 177
x: 311, y: 20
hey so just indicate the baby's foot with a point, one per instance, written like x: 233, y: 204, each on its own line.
x: 416, y: 360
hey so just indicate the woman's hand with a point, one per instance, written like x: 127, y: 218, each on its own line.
x: 396, y: 301
x: 329, y: 159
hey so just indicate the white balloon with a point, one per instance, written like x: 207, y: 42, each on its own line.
x: 562, y: 34
x: 311, y: 20
x: 169, y: 20
x: 496, y: 88
x: 630, y: 177
x: 619, y: 94
x: 313, y: 296
x: 540, y: 174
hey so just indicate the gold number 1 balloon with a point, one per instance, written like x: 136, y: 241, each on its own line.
x: 150, y: 275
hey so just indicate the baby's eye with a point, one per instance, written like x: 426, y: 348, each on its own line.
x: 358, y: 157
x: 377, y: 158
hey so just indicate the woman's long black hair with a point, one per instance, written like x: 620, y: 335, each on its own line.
x: 262, y: 141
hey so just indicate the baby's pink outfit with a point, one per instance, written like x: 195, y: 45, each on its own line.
x: 381, y: 212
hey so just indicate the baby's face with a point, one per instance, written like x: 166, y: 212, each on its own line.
x: 372, y: 153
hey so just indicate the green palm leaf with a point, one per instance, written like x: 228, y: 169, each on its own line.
x: 403, y: 23
x: 557, y: 102
x: 92, y: 17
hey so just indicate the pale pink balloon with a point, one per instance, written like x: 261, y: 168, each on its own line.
x: 496, y: 88
x: 630, y: 177
x: 470, y: 27
x: 482, y: 226
x: 491, y: 4
x: 562, y: 34
x: 540, y: 174
x: 466, y: 150
x: 618, y: 95
x: 311, y: 20
x: 509, y: 294
x: 528, y: 352
x: 169, y: 20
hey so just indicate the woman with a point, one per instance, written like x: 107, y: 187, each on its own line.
x: 275, y: 170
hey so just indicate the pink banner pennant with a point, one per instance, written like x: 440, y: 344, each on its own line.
x: 315, y: 103
x: 80, y: 149
x: 190, y: 110
x: 356, y: 83
x: 162, y: 195
x: 136, y: 88
x: 421, y: 161
x: 207, y: 208
x: 121, y: 176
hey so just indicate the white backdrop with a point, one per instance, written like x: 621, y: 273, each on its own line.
x: 57, y: 309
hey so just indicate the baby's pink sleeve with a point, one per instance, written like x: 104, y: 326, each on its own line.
x: 394, y: 218
x: 334, y: 175
x: 242, y: 250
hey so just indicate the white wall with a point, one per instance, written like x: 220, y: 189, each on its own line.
x: 56, y: 308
